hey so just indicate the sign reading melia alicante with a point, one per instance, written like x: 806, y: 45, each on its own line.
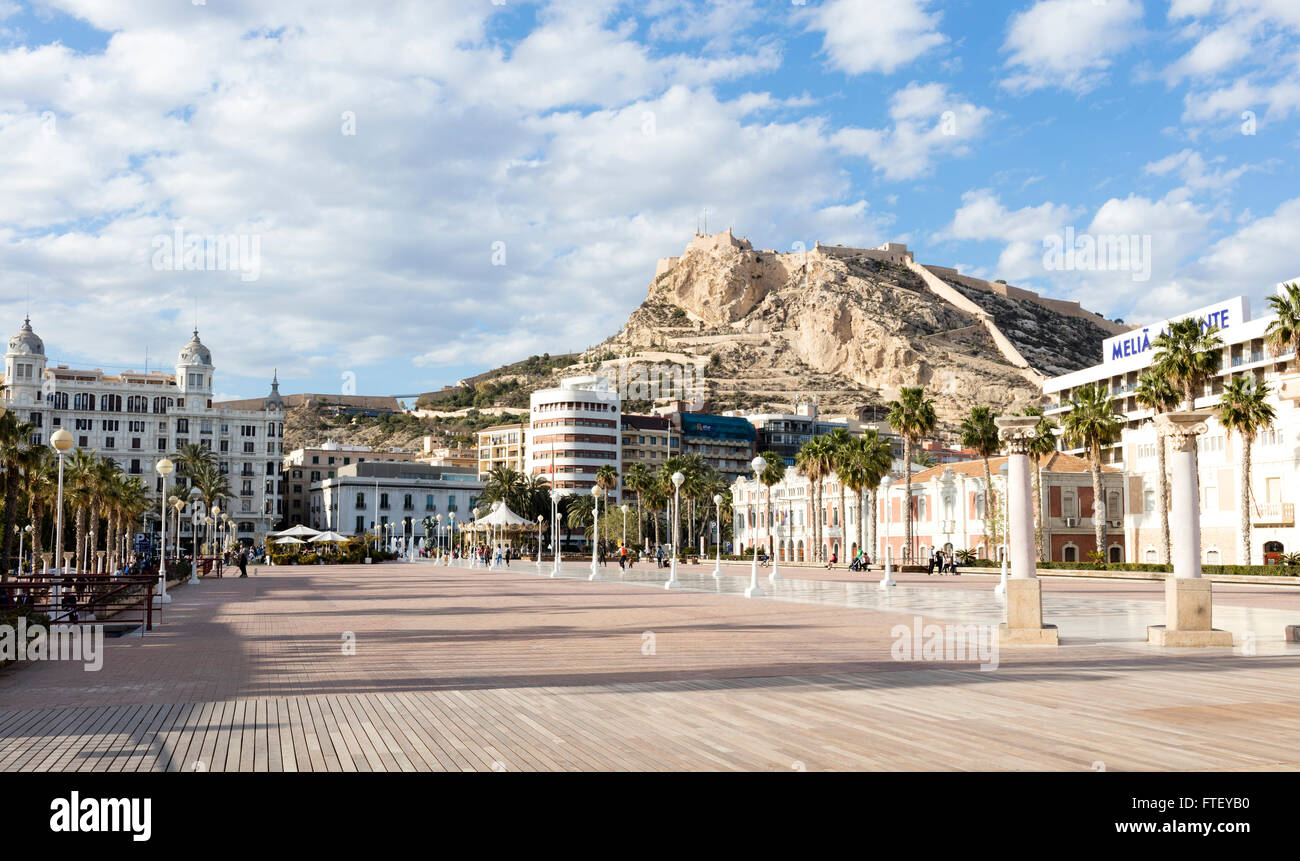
x: 1221, y: 315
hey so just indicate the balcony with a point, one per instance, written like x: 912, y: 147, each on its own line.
x: 1273, y: 514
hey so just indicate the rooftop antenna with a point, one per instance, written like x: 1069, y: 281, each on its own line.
x: 706, y: 219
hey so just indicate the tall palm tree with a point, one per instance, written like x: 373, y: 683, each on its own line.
x: 772, y: 474
x: 979, y: 432
x: 1245, y: 409
x: 815, y: 461
x: 504, y: 484
x: 15, y: 441
x: 878, y: 459
x: 1155, y: 393
x: 839, y: 440
x: 40, y: 484
x: 103, y: 480
x: 535, y: 497
x: 1188, y: 354
x: 913, y: 418
x: 1283, y: 332
x: 671, y: 497
x: 606, y: 480
x: 78, y: 486
x: 1041, y: 447
x: 1092, y: 424
x: 638, y: 479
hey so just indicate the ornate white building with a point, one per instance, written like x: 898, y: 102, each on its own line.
x: 135, y: 419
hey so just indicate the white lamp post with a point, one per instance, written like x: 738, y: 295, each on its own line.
x: 437, y: 531
x: 678, y: 480
x: 164, y: 468
x: 595, y: 530
x: 1001, y: 588
x: 61, y: 441
x: 623, y: 508
x: 717, y: 562
x: 22, y: 533
x: 540, y: 521
x: 776, y: 571
x: 888, y: 579
x: 555, y: 533
x: 758, y: 464
x: 196, y: 521
x: 451, y: 535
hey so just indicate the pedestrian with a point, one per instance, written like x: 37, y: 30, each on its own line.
x: 622, y: 557
x: 242, y: 560
x: 831, y: 562
x: 659, y: 556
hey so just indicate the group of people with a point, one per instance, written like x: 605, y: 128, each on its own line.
x: 944, y: 563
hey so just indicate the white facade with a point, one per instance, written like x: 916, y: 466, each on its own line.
x: 573, y: 431
x: 362, y: 495
x: 137, y: 419
x: 1275, y: 478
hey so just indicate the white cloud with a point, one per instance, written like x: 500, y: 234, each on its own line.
x: 1195, y: 173
x: 1068, y: 43
x: 928, y: 121
x: 862, y: 36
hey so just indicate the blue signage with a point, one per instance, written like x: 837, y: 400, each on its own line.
x: 1223, y: 315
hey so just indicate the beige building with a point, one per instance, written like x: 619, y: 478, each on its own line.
x: 502, y: 446
x: 649, y: 440
x: 304, y: 467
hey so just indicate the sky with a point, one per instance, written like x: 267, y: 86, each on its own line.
x: 419, y: 191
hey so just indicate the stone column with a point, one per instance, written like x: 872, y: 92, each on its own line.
x: 1189, y: 601
x: 46, y: 558
x: 99, y: 561
x: 1024, y: 624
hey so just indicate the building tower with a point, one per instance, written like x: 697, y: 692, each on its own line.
x: 194, y: 369
x: 24, y: 366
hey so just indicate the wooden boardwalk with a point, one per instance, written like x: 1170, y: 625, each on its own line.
x: 470, y: 671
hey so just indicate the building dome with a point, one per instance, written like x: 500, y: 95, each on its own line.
x: 27, y: 341
x: 195, y: 353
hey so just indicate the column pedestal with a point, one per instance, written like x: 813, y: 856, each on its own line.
x: 1024, y: 625
x: 1188, y: 612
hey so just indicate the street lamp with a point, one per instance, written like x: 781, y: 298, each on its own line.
x: 555, y: 533
x: 595, y: 530
x: 678, y: 480
x: 888, y: 580
x: 624, y: 508
x: 61, y: 440
x: 473, y: 563
x: 451, y: 537
x: 776, y: 570
x: 22, y: 533
x: 1001, y: 588
x: 758, y: 464
x: 164, y: 468
x: 540, y: 521
x: 717, y: 564
x: 196, y: 504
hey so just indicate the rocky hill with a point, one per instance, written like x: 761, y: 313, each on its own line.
x: 763, y: 330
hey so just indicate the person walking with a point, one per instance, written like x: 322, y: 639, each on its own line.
x: 242, y: 560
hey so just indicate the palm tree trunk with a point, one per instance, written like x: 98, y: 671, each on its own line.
x: 1098, y: 523
x: 1245, y: 500
x: 771, y: 549
x: 639, y: 521
x: 11, y: 518
x: 1040, y: 531
x: 862, y: 519
x: 990, y: 528
x: 1162, y: 499
x: 874, y: 530
x: 80, y: 549
x: 844, y: 524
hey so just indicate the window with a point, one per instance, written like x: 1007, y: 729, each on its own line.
x: 428, y: 502
x: 1148, y: 501
x: 83, y: 401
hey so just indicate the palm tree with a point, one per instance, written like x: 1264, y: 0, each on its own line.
x: 913, y: 418
x: 1092, y: 423
x: 1245, y: 409
x: 40, y: 483
x: 1188, y: 354
x: 815, y: 460
x: 638, y: 479
x: 78, y: 489
x: 1042, y: 445
x: 606, y: 480
x: 1155, y: 393
x: 504, y: 484
x: 979, y: 432
x: 581, y: 513
x: 773, y: 473
x: 535, y: 497
x: 1283, y: 332
x: 15, y: 441
x: 839, y: 440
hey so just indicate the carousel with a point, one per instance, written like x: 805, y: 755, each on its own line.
x: 495, y: 528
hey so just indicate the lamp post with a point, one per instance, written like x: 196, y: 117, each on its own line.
x: 776, y: 533
x: 61, y: 441
x: 437, y: 531
x: 624, y: 508
x: 177, y: 504
x: 164, y: 468
x: 1001, y: 588
x: 717, y: 562
x: 540, y: 521
x: 473, y: 562
x: 758, y: 464
x: 678, y: 480
x: 888, y: 579
x: 595, y: 530
x: 196, y: 519
x: 22, y: 533
x: 555, y: 534
x: 451, y: 537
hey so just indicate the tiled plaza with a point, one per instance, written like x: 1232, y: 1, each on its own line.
x: 454, y: 669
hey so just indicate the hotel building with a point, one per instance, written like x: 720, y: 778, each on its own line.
x: 136, y: 419
x: 573, y: 431
x: 1274, y: 482
x: 949, y: 512
x: 362, y: 494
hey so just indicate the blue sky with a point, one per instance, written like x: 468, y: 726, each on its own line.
x: 436, y: 188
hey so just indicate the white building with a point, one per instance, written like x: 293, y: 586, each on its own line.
x: 1275, y: 480
x: 135, y: 419
x: 573, y: 431
x: 360, y: 496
